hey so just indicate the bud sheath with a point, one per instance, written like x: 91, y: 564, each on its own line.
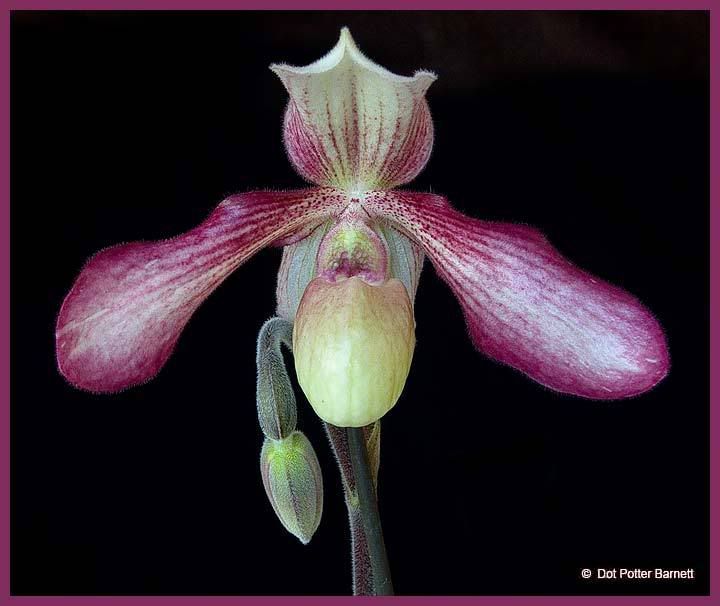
x: 277, y: 412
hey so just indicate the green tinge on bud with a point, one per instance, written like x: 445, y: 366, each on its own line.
x: 353, y: 343
x: 293, y: 483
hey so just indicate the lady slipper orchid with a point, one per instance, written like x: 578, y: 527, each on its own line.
x: 353, y: 251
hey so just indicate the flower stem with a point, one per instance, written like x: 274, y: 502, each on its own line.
x: 369, y: 512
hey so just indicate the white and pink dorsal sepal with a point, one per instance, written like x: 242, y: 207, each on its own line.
x: 354, y: 125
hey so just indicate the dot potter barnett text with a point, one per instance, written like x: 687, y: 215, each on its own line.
x: 643, y: 573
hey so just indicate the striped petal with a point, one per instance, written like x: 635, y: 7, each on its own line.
x: 529, y: 307
x: 127, y: 308
x: 354, y: 125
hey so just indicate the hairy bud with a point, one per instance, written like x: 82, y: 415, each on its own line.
x: 293, y: 483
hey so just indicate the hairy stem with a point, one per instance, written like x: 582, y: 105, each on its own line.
x: 369, y: 512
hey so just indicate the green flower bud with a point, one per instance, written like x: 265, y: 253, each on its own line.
x: 353, y: 344
x: 293, y: 483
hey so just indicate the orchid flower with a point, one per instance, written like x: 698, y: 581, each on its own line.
x: 353, y: 249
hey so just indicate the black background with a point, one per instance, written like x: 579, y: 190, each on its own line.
x: 591, y: 126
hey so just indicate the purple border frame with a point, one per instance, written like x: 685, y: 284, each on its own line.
x: 8, y: 6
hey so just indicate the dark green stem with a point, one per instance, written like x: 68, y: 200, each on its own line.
x: 369, y: 512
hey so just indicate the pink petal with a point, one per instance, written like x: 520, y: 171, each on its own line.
x: 529, y: 307
x: 124, y: 314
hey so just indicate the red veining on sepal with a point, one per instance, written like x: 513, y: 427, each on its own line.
x: 528, y: 306
x: 396, y: 153
x: 127, y: 308
x: 353, y: 125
